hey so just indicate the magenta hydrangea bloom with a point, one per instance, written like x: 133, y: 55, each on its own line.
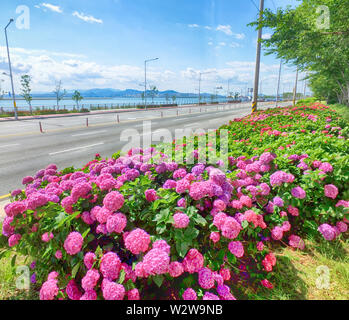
x: 298, y: 193
x: 150, y: 195
x: 175, y: 269
x: 293, y: 211
x: 15, y: 208
x: 113, y: 291
x: 133, y: 294
x: 206, y: 278
x: 49, y: 290
x: 181, y: 220
x: 182, y: 186
x: 327, y: 232
x: 156, y: 262
x: 110, y: 266
x: 296, y: 242
x: 89, y: 295
x: 331, y: 191
x: 193, y: 261
x: 116, y: 223
x: 14, y: 239
x: 89, y: 281
x: 189, y: 294
x: 215, y: 237
x: 182, y: 203
x: 277, y: 233
x: 342, y: 227
x: 278, y: 202
x: 231, y: 228
x: 27, y: 180
x: 113, y: 201
x: 73, y: 243
x: 58, y: 254
x: 236, y: 248
x: 137, y: 241
x: 210, y: 296
x: 73, y: 290
x: 162, y: 244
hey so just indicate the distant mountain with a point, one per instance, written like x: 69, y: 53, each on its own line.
x: 115, y: 93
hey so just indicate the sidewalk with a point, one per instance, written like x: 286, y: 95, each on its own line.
x: 48, y: 116
x: 3, y: 203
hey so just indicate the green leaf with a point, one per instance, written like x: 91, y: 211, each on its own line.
x: 122, y: 276
x: 158, y: 279
x: 75, y: 270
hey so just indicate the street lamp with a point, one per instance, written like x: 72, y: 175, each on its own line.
x: 201, y: 73
x: 9, y: 63
x: 145, y: 81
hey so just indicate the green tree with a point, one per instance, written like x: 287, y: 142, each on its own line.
x: 59, y: 92
x: 26, y: 90
x: 167, y: 97
x: 301, y: 38
x: 174, y: 99
x: 153, y: 92
x: 77, y: 97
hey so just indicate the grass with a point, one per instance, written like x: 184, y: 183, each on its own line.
x: 342, y: 109
x: 298, y: 273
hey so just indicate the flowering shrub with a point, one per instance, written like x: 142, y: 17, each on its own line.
x: 133, y: 228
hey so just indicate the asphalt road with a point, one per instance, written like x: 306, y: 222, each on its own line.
x: 69, y: 142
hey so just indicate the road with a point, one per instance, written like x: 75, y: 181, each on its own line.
x: 69, y: 142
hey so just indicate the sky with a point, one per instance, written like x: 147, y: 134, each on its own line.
x: 103, y: 44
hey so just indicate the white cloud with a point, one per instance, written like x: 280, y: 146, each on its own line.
x: 266, y: 36
x: 90, y: 19
x: 225, y: 29
x: 239, y: 36
x: 210, y: 43
x: 208, y: 27
x: 235, y: 45
x: 51, y: 7
x: 193, y: 25
x: 222, y: 44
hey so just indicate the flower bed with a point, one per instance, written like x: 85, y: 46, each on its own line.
x: 126, y: 228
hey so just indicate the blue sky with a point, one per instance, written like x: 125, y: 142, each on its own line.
x: 98, y: 44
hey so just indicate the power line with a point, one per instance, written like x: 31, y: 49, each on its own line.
x: 255, y: 5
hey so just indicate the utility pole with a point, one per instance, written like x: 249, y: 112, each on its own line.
x: 295, y: 90
x: 258, y: 58
x: 278, y: 87
x: 145, y: 81
x: 9, y: 63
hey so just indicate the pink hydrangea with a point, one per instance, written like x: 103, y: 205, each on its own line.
x: 206, y: 278
x: 193, y: 261
x: 231, y: 228
x: 267, y: 284
x: 89, y: 295
x: 113, y: 201
x: 189, y: 294
x: 219, y: 220
x: 58, y: 254
x: 210, y: 296
x: 215, y: 237
x: 175, y: 269
x: 133, y: 294
x: 150, y: 195
x: 236, y: 248
x: 102, y: 214
x: 327, y: 231
x: 182, y: 186
x: 80, y: 190
x: 15, y: 208
x: 162, y: 244
x: 110, y: 266
x: 260, y: 246
x: 49, y: 290
x: 326, y: 167
x: 181, y: 220
x: 113, y: 291
x: 116, y: 223
x: 73, y: 243
x: 14, y: 239
x: 89, y: 281
x: 277, y: 233
x: 293, y: 211
x: 156, y: 262
x: 331, y: 191
x: 342, y: 227
x: 182, y: 203
x: 137, y: 241
x: 286, y: 226
x: 298, y: 193
x: 73, y: 291
x: 225, y: 273
x: 296, y: 242
x: 217, y: 176
x: 46, y: 237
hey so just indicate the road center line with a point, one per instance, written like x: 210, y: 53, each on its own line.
x: 88, y: 133
x: 74, y: 149
x: 192, y: 124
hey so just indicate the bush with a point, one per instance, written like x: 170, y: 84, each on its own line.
x: 132, y: 227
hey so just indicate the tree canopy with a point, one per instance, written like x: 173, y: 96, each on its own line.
x: 314, y: 36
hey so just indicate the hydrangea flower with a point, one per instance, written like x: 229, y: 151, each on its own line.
x: 181, y: 220
x: 110, y: 266
x: 73, y: 243
x: 236, y: 248
x: 137, y: 241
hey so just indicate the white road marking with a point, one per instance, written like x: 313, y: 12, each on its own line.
x: 88, y: 133
x: 9, y: 145
x: 192, y: 124
x: 74, y: 149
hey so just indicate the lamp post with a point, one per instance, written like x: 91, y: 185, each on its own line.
x: 145, y: 81
x: 9, y: 63
x: 201, y: 73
